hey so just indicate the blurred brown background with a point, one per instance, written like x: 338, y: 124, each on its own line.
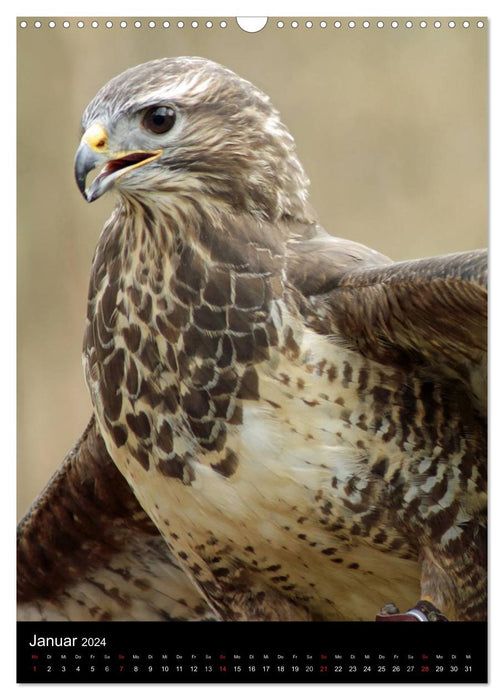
x: 390, y: 124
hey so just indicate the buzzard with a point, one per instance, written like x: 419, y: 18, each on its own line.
x: 286, y: 425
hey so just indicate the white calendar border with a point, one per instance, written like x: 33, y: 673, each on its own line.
x: 273, y: 8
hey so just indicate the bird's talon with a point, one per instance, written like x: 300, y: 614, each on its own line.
x: 389, y: 609
x: 424, y: 611
x: 430, y: 611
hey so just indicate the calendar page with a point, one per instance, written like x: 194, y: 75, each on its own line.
x: 252, y: 339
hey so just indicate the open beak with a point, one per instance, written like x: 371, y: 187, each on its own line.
x: 93, y: 152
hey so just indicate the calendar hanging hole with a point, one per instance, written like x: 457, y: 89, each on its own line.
x: 252, y: 24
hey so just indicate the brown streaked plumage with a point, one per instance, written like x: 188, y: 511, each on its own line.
x: 285, y: 425
x: 86, y: 550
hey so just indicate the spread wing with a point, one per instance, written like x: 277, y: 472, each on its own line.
x: 429, y: 315
x: 87, y: 550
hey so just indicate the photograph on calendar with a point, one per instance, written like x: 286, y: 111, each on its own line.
x: 252, y: 340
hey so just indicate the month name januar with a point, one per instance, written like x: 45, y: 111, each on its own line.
x: 52, y: 641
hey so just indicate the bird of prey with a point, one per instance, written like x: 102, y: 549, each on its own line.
x: 286, y: 425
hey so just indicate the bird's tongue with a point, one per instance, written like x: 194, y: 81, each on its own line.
x: 125, y: 161
x: 113, y: 170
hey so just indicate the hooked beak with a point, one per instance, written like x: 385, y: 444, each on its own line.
x: 93, y: 151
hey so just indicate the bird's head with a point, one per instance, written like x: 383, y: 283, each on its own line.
x: 190, y: 127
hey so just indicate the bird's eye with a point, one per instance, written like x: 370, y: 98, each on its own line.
x: 159, y: 120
